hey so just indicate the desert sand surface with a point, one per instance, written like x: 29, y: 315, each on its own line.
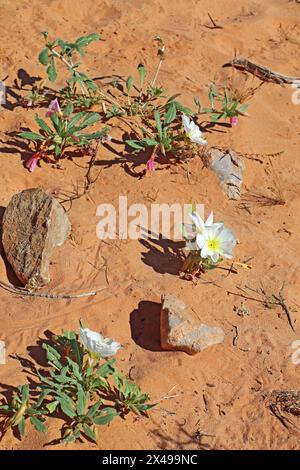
x: 223, y: 390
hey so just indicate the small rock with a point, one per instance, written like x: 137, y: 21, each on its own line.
x: 181, y: 331
x: 34, y: 223
x: 229, y: 168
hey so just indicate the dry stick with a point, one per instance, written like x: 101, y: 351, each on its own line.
x: 23, y: 291
x: 214, y: 24
x: 261, y: 72
x: 278, y: 300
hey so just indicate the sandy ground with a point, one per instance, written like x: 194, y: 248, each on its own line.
x: 221, y: 390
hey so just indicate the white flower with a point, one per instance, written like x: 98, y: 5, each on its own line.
x: 216, y: 240
x: 192, y: 130
x: 191, y: 231
x: 96, y: 343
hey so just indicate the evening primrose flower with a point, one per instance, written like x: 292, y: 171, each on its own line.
x: 53, y: 108
x: 216, y: 241
x: 96, y: 343
x: 31, y: 163
x: 191, y: 231
x: 234, y: 120
x: 192, y: 130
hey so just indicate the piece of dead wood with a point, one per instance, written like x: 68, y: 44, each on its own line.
x: 47, y: 295
x: 214, y: 24
x: 261, y: 72
x: 281, y: 402
x: 267, y: 300
x: 229, y: 168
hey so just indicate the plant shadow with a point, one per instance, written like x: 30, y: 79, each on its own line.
x: 163, y: 255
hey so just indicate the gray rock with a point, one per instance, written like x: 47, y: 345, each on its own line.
x: 229, y: 168
x: 34, y: 223
x: 181, y: 331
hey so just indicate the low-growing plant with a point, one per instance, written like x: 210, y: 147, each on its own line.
x: 208, y: 244
x: 66, y: 132
x: 223, y: 104
x: 80, y: 384
x: 80, y: 89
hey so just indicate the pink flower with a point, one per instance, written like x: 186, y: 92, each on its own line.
x: 150, y: 164
x: 234, y: 120
x: 53, y: 108
x: 31, y: 163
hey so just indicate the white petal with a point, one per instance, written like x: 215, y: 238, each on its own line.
x: 186, y: 123
x: 197, y: 221
x: 210, y: 219
x: 198, y: 140
x: 205, y: 252
x: 201, y: 240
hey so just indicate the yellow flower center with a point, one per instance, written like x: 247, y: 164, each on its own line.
x: 214, y: 244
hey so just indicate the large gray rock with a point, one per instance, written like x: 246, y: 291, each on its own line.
x: 34, y: 223
x: 181, y: 331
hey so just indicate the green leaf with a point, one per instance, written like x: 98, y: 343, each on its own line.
x: 90, y: 432
x: 105, y: 416
x: 31, y: 136
x: 44, y: 56
x: 89, y: 120
x: 24, y: 392
x: 184, y: 109
x: 81, y: 401
x: 243, y: 108
x: 66, y: 407
x: 21, y: 426
x: 68, y: 109
x: 51, y: 407
x: 86, y: 40
x: 170, y: 114
x: 93, y: 409
x: 43, y: 125
x: 51, y: 71
x: 150, y: 142
x: 129, y: 83
x: 38, y: 424
x: 158, y: 123
x: 135, y: 144
x: 142, y: 73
